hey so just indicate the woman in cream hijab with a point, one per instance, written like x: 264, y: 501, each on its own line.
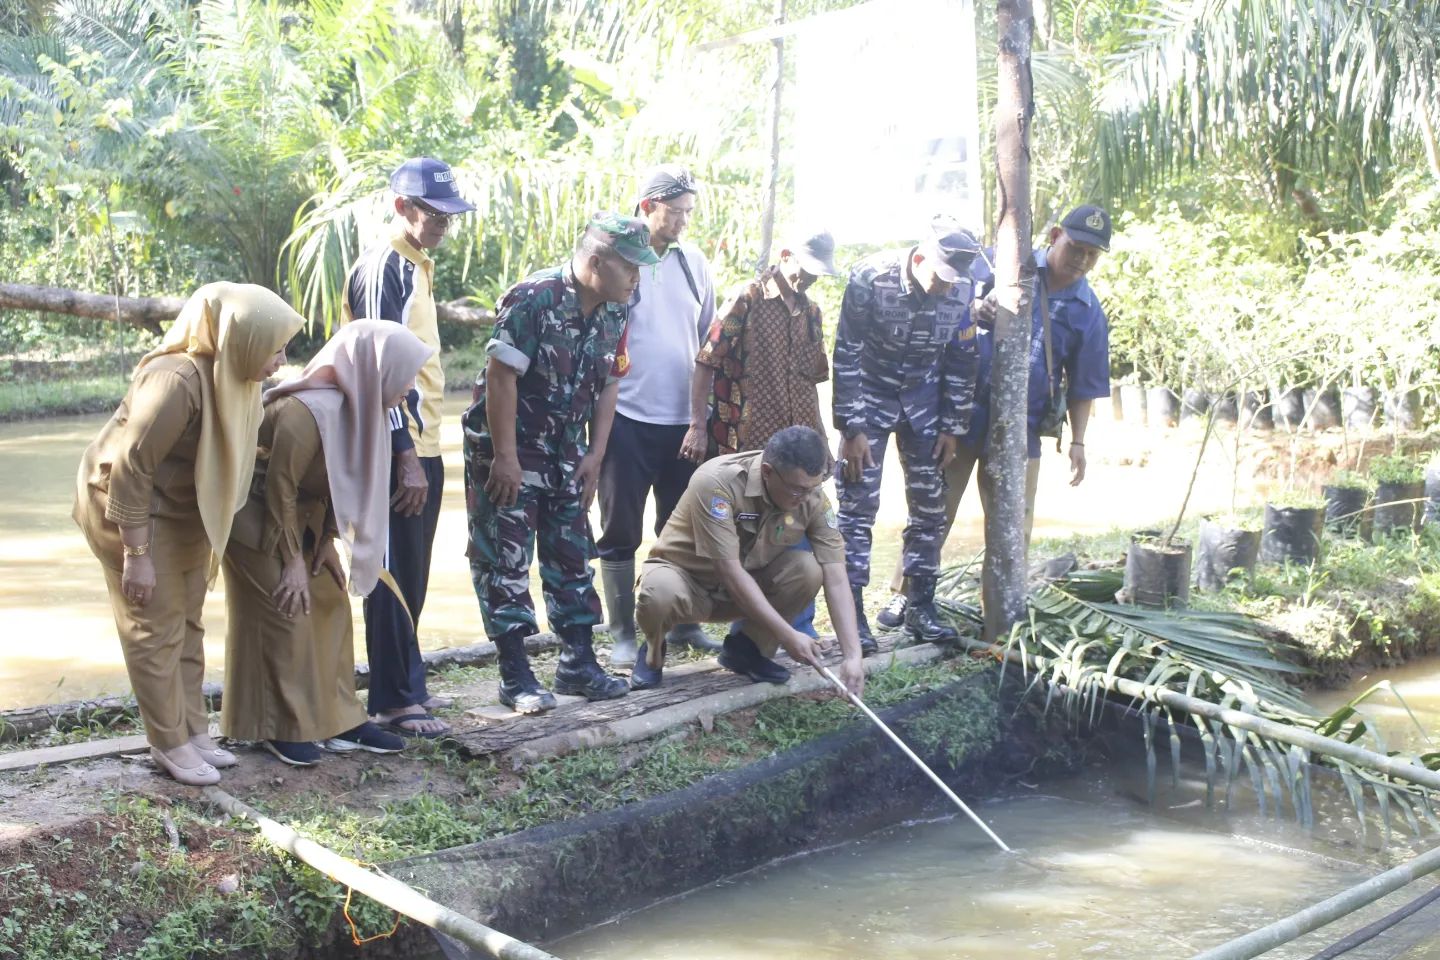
x: 323, y: 474
x: 156, y: 493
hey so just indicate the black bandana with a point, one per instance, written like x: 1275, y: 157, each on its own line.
x: 666, y: 182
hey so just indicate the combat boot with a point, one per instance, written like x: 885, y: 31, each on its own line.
x: 868, y: 646
x: 921, y: 618
x: 519, y: 690
x: 618, y: 578
x: 578, y: 674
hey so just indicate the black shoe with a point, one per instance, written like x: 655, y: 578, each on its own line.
x: 893, y: 616
x: 743, y: 657
x: 921, y: 618
x: 297, y: 753
x: 578, y: 675
x: 868, y: 646
x: 692, y: 635
x: 519, y: 690
x: 368, y: 737
x: 642, y: 675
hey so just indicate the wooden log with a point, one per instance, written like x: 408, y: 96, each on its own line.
x: 21, y: 722
x: 154, y: 313
x: 151, y: 313
x: 646, y: 725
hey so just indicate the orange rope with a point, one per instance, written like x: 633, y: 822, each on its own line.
x: 355, y: 937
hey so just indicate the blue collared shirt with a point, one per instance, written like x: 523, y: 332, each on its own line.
x: 1079, y: 346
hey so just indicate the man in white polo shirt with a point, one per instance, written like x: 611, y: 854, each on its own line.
x: 668, y: 321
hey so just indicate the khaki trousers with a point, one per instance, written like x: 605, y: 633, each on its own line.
x: 957, y: 478
x: 668, y: 595
x: 163, y: 640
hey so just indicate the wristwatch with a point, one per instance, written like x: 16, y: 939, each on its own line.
x: 139, y: 551
x: 853, y: 430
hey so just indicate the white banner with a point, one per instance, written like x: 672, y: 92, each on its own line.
x: 887, y: 123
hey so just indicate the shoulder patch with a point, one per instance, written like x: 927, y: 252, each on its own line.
x: 831, y: 521
x: 720, y: 507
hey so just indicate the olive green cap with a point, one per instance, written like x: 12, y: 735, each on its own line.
x: 629, y: 236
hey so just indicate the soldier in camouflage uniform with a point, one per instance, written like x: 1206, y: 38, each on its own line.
x: 556, y: 357
x: 905, y: 363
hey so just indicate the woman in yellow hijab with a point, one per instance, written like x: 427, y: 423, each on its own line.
x: 157, y: 491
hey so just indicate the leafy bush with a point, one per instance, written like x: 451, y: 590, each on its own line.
x: 1397, y: 469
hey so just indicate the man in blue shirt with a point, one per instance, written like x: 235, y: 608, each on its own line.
x: 1078, y: 371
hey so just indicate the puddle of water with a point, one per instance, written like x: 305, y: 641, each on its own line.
x: 1099, y: 876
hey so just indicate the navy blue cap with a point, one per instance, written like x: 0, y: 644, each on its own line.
x: 950, y: 249
x: 1088, y: 224
x: 431, y: 181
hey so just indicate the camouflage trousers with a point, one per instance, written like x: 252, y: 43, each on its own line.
x: 924, y: 497
x: 502, y: 545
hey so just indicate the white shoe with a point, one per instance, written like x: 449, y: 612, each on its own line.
x: 212, y: 753
x: 195, y: 772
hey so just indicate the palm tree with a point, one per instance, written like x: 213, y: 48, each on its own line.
x: 1305, y: 94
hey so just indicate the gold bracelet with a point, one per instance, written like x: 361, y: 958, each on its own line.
x: 139, y: 551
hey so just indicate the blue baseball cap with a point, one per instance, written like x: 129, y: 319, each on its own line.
x: 1088, y: 224
x: 431, y: 181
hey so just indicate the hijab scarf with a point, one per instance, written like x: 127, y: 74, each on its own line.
x: 230, y: 331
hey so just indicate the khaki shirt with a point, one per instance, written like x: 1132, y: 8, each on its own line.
x: 290, y: 492
x: 726, y: 513
x: 142, y: 464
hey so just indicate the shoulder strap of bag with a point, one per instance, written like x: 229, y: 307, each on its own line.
x: 1044, y: 295
x: 689, y: 276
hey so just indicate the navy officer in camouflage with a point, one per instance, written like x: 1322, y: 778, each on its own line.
x: 754, y: 536
x: 905, y: 363
x: 534, y: 440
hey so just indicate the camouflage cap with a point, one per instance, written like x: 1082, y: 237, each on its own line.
x: 628, y: 236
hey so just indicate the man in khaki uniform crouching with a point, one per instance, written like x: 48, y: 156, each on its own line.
x: 755, y: 537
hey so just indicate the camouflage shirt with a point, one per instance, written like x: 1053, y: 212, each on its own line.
x: 564, y: 360
x: 899, y: 353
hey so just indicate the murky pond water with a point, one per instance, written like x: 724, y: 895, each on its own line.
x: 60, y: 642
x: 1102, y: 874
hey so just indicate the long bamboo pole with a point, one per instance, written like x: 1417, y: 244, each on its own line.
x: 379, y: 887
x: 1284, y: 733
x: 1318, y: 915
x: 905, y: 749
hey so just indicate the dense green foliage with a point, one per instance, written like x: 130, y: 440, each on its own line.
x: 1225, y: 299
x: 1266, y: 155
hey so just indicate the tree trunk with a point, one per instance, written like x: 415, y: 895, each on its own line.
x: 153, y: 313
x: 772, y: 175
x: 1005, y: 561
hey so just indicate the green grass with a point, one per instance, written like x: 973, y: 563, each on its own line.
x: 115, y: 886
x: 29, y: 399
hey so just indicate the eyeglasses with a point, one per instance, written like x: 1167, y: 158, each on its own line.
x: 435, y: 216
x: 795, y: 490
